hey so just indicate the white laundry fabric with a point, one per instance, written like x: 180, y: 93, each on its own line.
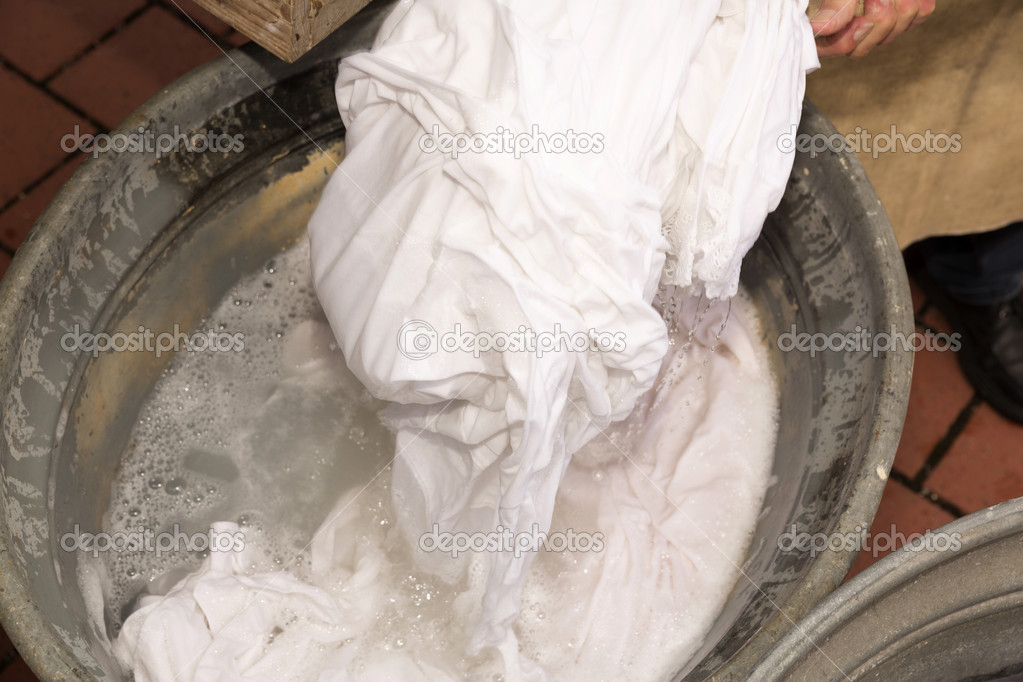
x: 224, y: 622
x: 218, y: 623
x: 676, y: 490
x: 689, y: 98
x: 673, y: 492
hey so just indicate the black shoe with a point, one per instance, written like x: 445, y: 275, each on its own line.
x: 992, y: 345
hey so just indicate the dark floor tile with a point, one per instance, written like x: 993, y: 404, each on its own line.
x: 918, y: 296
x: 935, y: 320
x: 18, y: 671
x: 16, y: 221
x: 117, y: 77
x: 984, y: 466
x: 938, y: 394
x: 40, y: 36
x: 32, y: 125
x: 236, y: 39
x: 908, y: 512
x: 192, y: 12
x: 7, y: 651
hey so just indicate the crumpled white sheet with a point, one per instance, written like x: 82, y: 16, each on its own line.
x: 673, y: 490
x: 224, y: 622
x: 216, y: 623
x: 676, y: 489
x: 690, y: 97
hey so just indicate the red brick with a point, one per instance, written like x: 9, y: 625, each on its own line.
x: 31, y: 127
x: 117, y: 77
x: 189, y: 10
x: 938, y: 394
x: 40, y: 36
x: 984, y: 466
x: 908, y: 512
x: 16, y: 221
x: 18, y: 671
x: 6, y: 646
x: 236, y: 39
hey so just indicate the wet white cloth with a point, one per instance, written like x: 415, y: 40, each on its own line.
x: 689, y: 98
x: 670, y: 494
x: 217, y: 623
x: 224, y: 622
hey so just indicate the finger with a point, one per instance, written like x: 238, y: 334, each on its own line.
x: 846, y: 40
x: 926, y: 9
x: 884, y: 17
x: 832, y: 16
x: 905, y: 13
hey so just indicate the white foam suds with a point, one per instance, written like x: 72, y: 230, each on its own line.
x: 266, y: 437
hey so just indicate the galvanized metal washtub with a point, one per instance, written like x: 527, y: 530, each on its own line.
x: 134, y: 240
x: 949, y: 607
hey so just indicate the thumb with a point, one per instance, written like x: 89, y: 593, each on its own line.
x: 832, y: 16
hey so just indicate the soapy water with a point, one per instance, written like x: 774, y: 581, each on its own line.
x: 267, y: 437
x: 273, y: 437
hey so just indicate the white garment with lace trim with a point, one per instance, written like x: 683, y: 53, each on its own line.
x: 689, y: 99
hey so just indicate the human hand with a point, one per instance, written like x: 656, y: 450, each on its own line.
x: 839, y: 31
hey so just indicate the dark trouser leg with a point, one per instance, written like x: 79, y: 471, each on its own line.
x: 978, y: 269
x: 976, y: 281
